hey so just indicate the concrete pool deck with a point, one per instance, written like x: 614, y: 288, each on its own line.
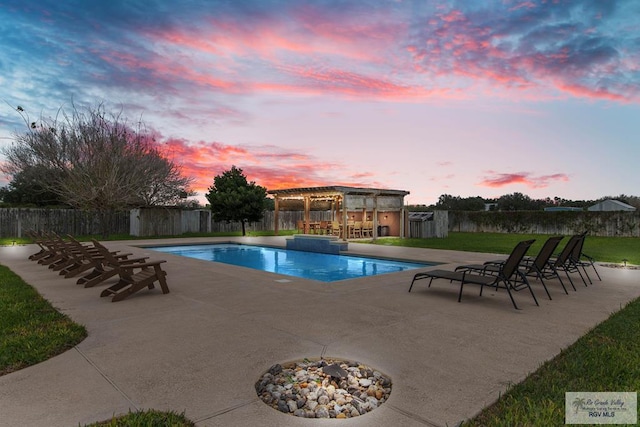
x: 201, y: 348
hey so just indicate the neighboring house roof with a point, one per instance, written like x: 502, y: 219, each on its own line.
x: 611, y: 205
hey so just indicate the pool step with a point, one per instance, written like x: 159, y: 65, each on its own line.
x: 317, y: 243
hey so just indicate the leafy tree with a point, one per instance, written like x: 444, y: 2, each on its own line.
x: 232, y: 198
x: 516, y: 202
x: 28, y: 187
x: 457, y: 203
x: 95, y: 161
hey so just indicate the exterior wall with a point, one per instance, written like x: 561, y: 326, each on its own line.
x: 390, y: 220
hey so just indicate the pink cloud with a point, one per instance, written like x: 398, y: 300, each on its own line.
x: 497, y: 180
x: 269, y: 166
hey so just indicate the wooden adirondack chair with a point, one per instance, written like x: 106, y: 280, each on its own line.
x: 133, y: 276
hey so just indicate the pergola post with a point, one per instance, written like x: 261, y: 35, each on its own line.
x: 307, y: 213
x: 276, y: 217
x: 374, y: 214
x: 345, y: 218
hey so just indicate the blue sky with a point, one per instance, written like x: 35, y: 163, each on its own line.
x: 479, y: 98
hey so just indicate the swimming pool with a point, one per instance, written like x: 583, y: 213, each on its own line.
x: 308, y: 265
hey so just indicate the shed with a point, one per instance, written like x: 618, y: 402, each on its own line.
x: 385, y: 207
x: 611, y: 205
x: 429, y: 224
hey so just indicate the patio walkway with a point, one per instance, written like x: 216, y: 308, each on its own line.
x: 201, y: 348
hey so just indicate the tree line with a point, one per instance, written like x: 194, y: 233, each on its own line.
x: 515, y: 202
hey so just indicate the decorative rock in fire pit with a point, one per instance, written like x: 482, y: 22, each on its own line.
x: 325, y: 388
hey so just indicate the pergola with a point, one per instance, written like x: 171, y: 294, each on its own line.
x: 385, y: 207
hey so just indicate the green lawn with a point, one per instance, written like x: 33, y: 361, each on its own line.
x: 148, y: 418
x: 603, y: 249
x: 31, y: 330
x: 605, y: 359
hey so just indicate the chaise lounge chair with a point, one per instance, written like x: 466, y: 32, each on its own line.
x: 564, y: 261
x: 577, y: 258
x: 508, y: 275
x: 538, y: 267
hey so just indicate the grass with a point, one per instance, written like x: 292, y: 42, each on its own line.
x: 148, y: 418
x: 31, y: 330
x: 603, y: 249
x: 9, y: 241
x: 605, y: 359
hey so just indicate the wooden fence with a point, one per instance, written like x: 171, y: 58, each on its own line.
x: 287, y: 220
x: 139, y: 222
x: 168, y: 221
x: 608, y: 224
x: 14, y: 222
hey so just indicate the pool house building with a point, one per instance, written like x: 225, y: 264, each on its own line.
x: 382, y: 209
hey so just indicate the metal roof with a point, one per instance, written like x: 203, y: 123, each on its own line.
x: 420, y: 216
x: 337, y: 190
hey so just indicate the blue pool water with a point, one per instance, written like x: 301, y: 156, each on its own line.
x: 308, y: 265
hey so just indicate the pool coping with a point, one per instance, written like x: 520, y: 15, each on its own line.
x: 201, y: 348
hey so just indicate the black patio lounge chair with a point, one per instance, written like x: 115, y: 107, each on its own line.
x: 564, y: 261
x: 583, y: 260
x: 508, y: 276
x: 538, y: 267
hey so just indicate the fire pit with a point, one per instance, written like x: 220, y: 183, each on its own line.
x: 323, y: 388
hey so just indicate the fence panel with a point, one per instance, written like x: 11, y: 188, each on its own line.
x: 172, y: 221
x: 14, y: 222
x: 607, y: 224
x: 287, y: 221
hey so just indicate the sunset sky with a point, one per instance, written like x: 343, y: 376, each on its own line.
x: 468, y: 98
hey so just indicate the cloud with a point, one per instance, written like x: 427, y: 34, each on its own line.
x: 555, y: 46
x: 498, y: 180
x: 267, y: 165
x: 388, y: 50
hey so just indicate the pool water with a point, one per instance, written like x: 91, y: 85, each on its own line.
x: 308, y: 265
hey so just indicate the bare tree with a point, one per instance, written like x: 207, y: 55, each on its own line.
x: 102, y: 162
